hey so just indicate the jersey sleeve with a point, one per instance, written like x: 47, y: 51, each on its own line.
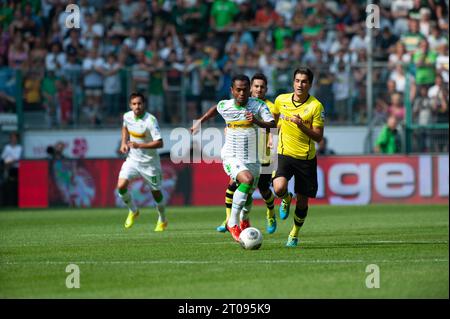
x: 124, y: 122
x: 155, y: 131
x: 265, y: 114
x: 319, y: 116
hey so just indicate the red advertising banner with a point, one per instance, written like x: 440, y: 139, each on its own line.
x: 346, y: 180
x: 92, y: 183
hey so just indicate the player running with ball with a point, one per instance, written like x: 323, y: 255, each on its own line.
x: 242, y: 115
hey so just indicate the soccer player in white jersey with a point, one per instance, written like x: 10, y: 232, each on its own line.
x: 242, y: 115
x: 141, y: 137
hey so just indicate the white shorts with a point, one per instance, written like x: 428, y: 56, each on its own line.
x: 234, y: 166
x: 150, y: 173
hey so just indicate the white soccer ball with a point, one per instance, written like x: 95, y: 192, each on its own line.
x: 251, y: 238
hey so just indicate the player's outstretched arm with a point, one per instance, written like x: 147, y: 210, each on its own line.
x: 209, y: 114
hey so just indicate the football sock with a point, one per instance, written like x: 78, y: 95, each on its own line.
x: 239, y: 200
x: 229, y: 199
x: 127, y: 199
x: 299, y: 219
x: 161, y: 208
x: 269, y: 203
x: 247, y: 207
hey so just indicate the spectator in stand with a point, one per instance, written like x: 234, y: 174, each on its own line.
x: 173, y: 88
x: 425, y: 63
x: 32, y: 97
x: 241, y: 36
x: 127, y: 10
x: 399, y: 14
x: 11, y: 155
x: 265, y: 16
x: 388, y: 140
x: 412, y: 38
x: 18, y: 52
x: 437, y: 88
x: 398, y: 55
x: 92, y: 76
x: 73, y: 44
x: 245, y: 15
x: 436, y: 38
x: 156, y: 87
x: 399, y: 77
x: 111, y: 85
x: 55, y: 59
x: 64, y: 104
x: 135, y: 42
x: 425, y: 22
x: 442, y: 62
x: 117, y: 27
x: 396, y: 108
x: 222, y: 14
x: 422, y: 115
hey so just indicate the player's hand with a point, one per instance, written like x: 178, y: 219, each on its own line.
x: 296, y: 119
x: 249, y: 116
x: 270, y: 141
x: 133, y: 144
x: 124, y: 148
x: 194, y: 129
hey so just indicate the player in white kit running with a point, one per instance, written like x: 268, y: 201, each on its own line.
x: 242, y: 115
x: 141, y: 136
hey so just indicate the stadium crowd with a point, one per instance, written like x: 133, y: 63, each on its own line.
x: 183, y: 53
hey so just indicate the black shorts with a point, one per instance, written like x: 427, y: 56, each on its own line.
x: 305, y: 172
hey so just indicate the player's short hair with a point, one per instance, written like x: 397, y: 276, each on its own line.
x: 137, y: 94
x: 240, y: 77
x: 259, y: 76
x: 305, y: 71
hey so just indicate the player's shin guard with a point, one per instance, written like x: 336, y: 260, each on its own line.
x: 269, y: 203
x: 299, y: 219
x: 127, y: 199
x: 239, y: 200
x: 161, y: 208
x: 229, y: 199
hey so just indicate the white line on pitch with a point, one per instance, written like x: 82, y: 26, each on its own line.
x: 296, y: 261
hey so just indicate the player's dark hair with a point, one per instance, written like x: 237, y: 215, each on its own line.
x: 137, y: 94
x: 259, y: 76
x: 240, y: 77
x: 305, y: 71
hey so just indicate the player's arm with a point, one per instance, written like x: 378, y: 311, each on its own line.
x: 153, y: 144
x: 125, y: 137
x: 252, y: 118
x: 314, y: 132
x: 209, y: 114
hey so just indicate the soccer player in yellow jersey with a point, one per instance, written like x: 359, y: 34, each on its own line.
x: 301, y: 119
x: 258, y: 89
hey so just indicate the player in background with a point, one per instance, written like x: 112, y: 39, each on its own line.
x: 242, y: 115
x: 258, y: 90
x: 141, y: 136
x: 301, y: 118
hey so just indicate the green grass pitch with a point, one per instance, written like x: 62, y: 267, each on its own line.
x: 409, y: 244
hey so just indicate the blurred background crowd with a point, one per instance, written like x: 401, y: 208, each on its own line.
x: 182, y: 54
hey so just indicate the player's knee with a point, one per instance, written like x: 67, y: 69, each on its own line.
x: 280, y: 191
x: 246, y: 178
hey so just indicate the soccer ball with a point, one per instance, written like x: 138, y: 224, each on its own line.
x: 251, y: 238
